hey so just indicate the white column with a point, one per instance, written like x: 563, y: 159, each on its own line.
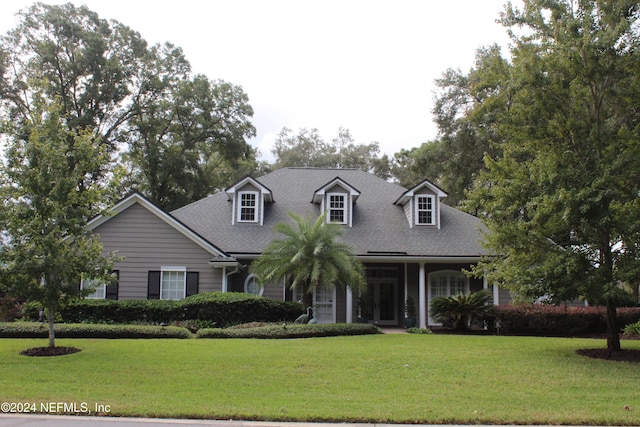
x: 423, y: 296
x: 349, y: 305
x: 406, y: 288
x: 224, y: 279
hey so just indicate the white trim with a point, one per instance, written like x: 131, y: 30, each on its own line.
x: 256, y: 211
x: 246, y: 282
x: 430, y: 199
x: 172, y: 269
x: 134, y: 198
x: 345, y: 208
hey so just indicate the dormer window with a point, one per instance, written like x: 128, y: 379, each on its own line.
x: 425, y: 214
x: 337, y: 208
x: 337, y: 199
x: 248, y: 197
x: 248, y: 206
x: 421, y: 205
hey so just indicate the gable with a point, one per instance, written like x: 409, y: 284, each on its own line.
x: 137, y: 216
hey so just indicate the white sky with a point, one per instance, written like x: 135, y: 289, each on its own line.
x: 367, y: 65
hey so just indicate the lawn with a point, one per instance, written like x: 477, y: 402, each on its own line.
x: 380, y: 378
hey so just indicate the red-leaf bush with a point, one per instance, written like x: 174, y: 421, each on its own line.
x: 548, y: 320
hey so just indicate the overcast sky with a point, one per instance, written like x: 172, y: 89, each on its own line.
x: 365, y: 65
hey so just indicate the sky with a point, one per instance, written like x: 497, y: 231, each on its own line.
x: 365, y: 65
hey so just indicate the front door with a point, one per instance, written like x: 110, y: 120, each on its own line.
x: 385, y: 307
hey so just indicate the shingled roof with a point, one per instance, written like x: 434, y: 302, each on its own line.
x: 380, y: 227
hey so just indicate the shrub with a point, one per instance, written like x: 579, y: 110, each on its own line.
x: 10, y: 309
x: 420, y: 331
x: 632, y: 329
x: 458, y: 311
x: 70, y: 330
x: 209, y: 308
x: 547, y: 320
x: 291, y: 331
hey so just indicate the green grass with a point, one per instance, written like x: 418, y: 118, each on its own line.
x: 377, y: 378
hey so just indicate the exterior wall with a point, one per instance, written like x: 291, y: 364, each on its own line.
x: 236, y: 284
x: 147, y: 243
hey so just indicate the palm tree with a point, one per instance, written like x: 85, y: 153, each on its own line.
x: 460, y: 310
x: 309, y: 255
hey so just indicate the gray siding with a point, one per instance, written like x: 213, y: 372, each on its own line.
x: 148, y: 243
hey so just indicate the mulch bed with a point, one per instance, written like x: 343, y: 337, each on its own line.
x: 49, y: 351
x: 618, y: 356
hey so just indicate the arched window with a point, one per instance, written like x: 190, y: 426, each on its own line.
x: 447, y: 282
x: 252, y: 286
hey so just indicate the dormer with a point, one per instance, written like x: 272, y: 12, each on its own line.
x: 337, y: 198
x: 422, y: 205
x: 249, y: 198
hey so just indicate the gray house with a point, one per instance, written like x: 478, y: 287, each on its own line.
x: 409, y: 241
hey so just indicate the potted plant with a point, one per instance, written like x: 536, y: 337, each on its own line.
x: 410, y: 313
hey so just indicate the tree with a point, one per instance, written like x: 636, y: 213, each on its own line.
x: 308, y: 149
x: 48, y: 193
x: 561, y: 200
x: 309, y: 255
x: 137, y: 99
x: 191, y: 143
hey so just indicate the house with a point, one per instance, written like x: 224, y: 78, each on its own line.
x: 410, y: 242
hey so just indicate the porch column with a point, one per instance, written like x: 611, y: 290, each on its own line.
x: 349, y: 305
x: 224, y: 279
x: 423, y: 296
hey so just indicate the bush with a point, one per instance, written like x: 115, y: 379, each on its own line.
x: 291, y: 331
x: 632, y: 329
x: 420, y: 331
x: 459, y: 311
x: 547, y: 320
x: 35, y: 330
x: 10, y: 309
x: 209, y: 308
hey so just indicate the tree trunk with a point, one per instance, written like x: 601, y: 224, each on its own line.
x: 52, y: 334
x: 613, y: 328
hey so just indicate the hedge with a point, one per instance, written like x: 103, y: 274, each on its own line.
x: 546, y: 320
x: 291, y: 331
x: 70, y: 330
x: 223, y: 309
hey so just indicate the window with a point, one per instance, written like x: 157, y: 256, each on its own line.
x: 248, y: 207
x: 102, y: 290
x: 99, y: 289
x: 447, y: 283
x: 252, y: 286
x: 173, y: 282
x: 337, y: 208
x: 425, y: 210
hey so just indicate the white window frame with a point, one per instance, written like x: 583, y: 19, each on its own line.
x: 330, y: 208
x: 448, y: 275
x: 251, y: 280
x: 430, y: 199
x: 99, y: 289
x: 242, y: 206
x: 164, y: 291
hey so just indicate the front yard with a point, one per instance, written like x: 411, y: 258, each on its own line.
x: 376, y: 378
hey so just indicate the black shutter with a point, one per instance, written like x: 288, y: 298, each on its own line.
x: 112, y: 288
x: 192, y: 282
x: 153, y: 288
